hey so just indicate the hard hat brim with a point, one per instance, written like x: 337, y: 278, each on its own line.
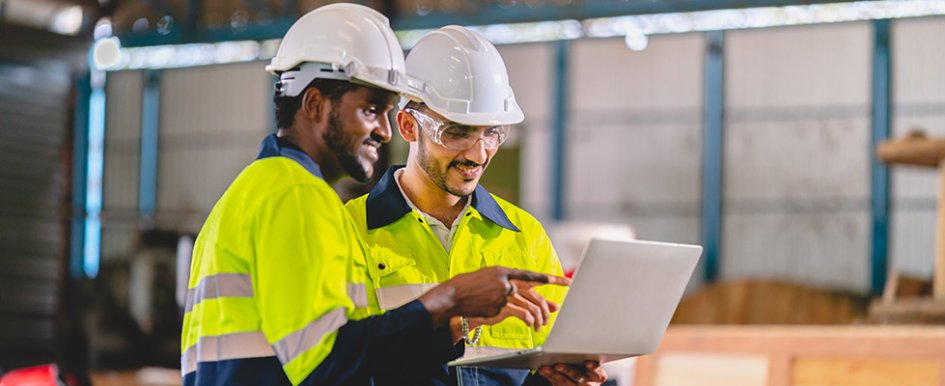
x: 511, y: 117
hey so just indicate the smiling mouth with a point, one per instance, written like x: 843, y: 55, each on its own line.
x: 373, y: 150
x: 468, y: 171
x: 372, y: 143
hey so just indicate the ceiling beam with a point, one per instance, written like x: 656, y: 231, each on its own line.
x: 485, y: 14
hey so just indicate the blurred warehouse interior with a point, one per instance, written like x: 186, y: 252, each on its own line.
x: 746, y: 126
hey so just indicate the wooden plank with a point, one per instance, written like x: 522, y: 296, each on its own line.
x: 892, y: 284
x: 879, y: 341
x: 644, y: 372
x: 749, y: 302
x: 779, y: 370
x: 864, y: 372
x: 833, y: 356
x: 941, y: 372
x: 914, y: 149
x: 909, y: 311
x: 704, y: 369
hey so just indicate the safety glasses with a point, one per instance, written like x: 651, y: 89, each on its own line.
x: 456, y: 137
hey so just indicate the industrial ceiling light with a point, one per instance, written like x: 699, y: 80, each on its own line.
x: 53, y: 15
x: 103, y: 29
x: 636, y: 40
x: 67, y: 20
x: 106, y: 53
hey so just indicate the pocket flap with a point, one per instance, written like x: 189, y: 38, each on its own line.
x: 384, y: 261
x: 506, y: 257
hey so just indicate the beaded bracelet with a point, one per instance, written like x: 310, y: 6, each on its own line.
x: 464, y: 325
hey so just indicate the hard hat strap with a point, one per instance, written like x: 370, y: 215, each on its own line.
x: 291, y: 83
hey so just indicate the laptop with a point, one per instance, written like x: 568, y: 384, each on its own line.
x: 620, y: 302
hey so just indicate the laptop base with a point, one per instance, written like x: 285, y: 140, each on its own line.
x: 533, y: 359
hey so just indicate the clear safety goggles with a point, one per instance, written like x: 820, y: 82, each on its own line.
x: 457, y: 137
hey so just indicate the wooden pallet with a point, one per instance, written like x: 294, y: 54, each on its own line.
x: 915, y: 149
x: 796, y: 356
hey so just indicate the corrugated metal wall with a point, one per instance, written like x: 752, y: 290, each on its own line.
x: 211, y: 123
x: 34, y: 118
x: 635, y: 135
x: 122, y: 163
x: 530, y: 74
x: 918, y: 49
x: 796, y: 175
x: 796, y: 163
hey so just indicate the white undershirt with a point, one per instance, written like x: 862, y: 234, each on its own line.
x: 442, y: 232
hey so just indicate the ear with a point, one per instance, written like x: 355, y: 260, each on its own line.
x: 312, y: 100
x: 407, y: 126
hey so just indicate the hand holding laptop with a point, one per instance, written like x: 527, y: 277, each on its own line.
x: 566, y: 375
x: 622, y: 299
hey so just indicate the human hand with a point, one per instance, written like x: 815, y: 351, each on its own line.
x: 482, y: 293
x: 525, y: 304
x: 567, y: 375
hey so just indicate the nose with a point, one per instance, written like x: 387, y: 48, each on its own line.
x: 478, y: 152
x: 383, y: 131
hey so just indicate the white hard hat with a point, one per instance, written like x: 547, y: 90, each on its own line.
x: 460, y: 75
x: 339, y: 41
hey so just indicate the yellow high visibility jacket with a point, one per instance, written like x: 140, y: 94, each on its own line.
x: 277, y: 270
x: 405, y: 258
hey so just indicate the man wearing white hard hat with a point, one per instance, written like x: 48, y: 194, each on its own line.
x: 278, y: 291
x: 430, y: 220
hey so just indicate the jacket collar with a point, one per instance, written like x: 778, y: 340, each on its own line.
x: 273, y: 146
x: 385, y: 204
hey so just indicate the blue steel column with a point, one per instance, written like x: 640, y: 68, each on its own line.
x: 559, y: 119
x: 94, y: 164
x: 879, y: 174
x: 80, y: 156
x: 713, y: 120
x: 150, y: 112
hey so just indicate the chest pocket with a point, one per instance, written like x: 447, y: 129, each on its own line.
x: 508, y: 257
x: 396, y: 277
x: 512, y: 332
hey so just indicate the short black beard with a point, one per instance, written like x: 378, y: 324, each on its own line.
x: 438, y: 178
x: 334, y: 138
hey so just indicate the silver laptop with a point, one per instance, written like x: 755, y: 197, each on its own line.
x: 620, y: 302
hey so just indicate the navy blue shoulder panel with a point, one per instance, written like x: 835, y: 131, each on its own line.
x: 490, y: 209
x: 273, y: 146
x: 385, y: 204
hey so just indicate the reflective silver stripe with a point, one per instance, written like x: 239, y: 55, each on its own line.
x: 358, y: 294
x: 392, y: 297
x: 232, y: 285
x: 224, y: 347
x: 302, y: 340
